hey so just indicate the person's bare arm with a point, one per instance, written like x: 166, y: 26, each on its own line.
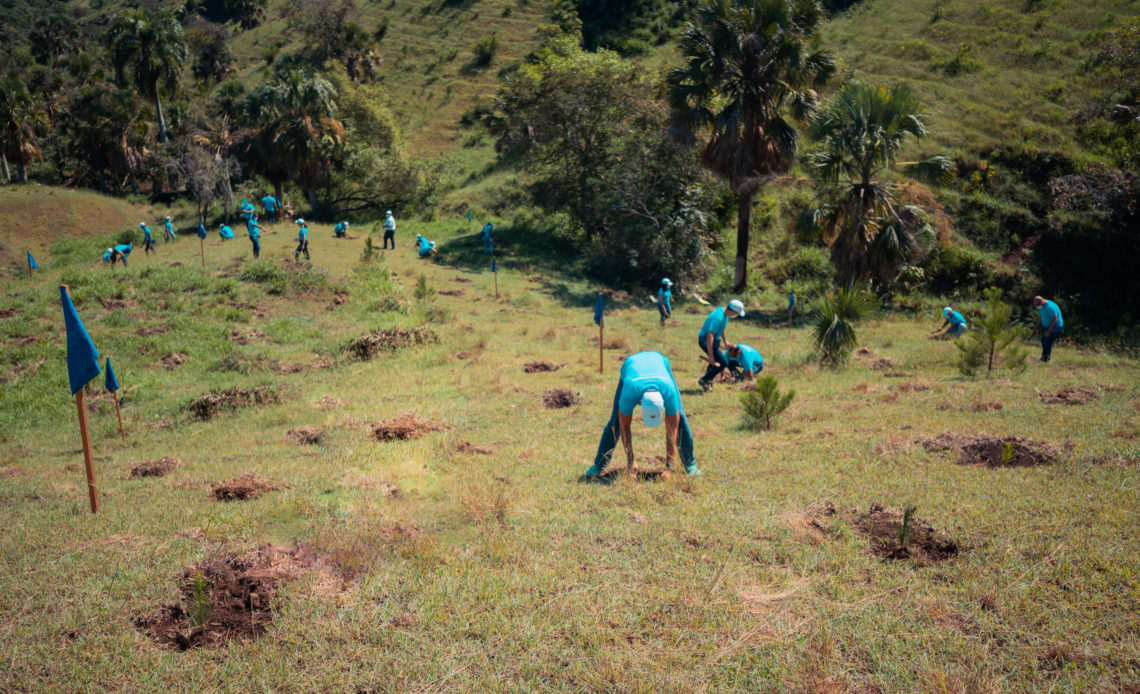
x: 709, y: 348
x: 624, y: 423
x: 748, y: 377
x: 672, y: 422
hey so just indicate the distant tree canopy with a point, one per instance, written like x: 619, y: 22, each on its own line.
x: 149, y: 51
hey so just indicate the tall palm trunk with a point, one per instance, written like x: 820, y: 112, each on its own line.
x: 21, y: 172
x: 743, y: 226
x: 4, y: 169
x: 161, y: 118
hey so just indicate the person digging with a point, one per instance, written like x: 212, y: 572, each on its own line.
x: 647, y: 381
x: 953, y: 324
x: 748, y: 360
x: 711, y: 337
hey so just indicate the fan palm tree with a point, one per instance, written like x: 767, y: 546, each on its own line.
x: 862, y: 131
x: 150, y: 50
x: 20, y: 122
x: 749, y: 67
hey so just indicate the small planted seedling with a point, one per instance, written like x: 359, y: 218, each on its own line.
x: 1007, y: 453
x: 368, y: 249
x: 906, y: 530
x: 423, y: 292
x: 199, y: 600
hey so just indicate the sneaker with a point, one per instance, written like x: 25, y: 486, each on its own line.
x: 705, y: 385
x: 594, y: 471
x: 692, y: 470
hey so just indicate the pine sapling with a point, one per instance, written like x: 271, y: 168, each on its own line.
x: 993, y: 341
x: 423, y: 292
x: 369, y: 249
x: 906, y: 530
x: 766, y: 401
x: 199, y: 600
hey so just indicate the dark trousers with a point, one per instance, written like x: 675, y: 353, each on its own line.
x: 389, y: 236
x: 721, y: 359
x: 256, y: 247
x: 148, y: 245
x: 302, y: 247
x: 1047, y: 341
x: 663, y: 310
x: 611, y: 435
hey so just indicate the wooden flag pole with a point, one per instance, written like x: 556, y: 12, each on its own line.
x: 115, y: 395
x: 87, y: 462
x: 496, y: 274
x: 601, y: 340
x: 202, y: 247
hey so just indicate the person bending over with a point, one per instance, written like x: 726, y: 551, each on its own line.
x: 712, y: 337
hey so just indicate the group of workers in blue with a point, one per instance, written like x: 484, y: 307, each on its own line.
x: 1052, y: 325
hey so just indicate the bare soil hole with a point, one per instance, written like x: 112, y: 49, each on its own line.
x: 173, y: 360
x: 154, y: 468
x: 992, y: 451
x: 451, y: 292
x: 468, y: 447
x: 1069, y: 396
x: 368, y: 346
x: 10, y: 311
x: 305, y: 436
x: 533, y: 367
x: 921, y: 545
x: 557, y: 398
x: 244, y: 488
x: 406, y: 426
x: 863, y: 352
x: 339, y: 300
x: 225, y: 598
x: 986, y: 406
x: 461, y: 280
x: 883, y: 364
x: 208, y: 405
x: 464, y: 355
x: 913, y: 387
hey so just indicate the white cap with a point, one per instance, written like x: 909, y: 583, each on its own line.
x: 300, y: 220
x: 346, y: 223
x: 947, y: 311
x: 652, y: 407
x: 168, y: 216
x: 737, y: 306
x: 667, y: 282
x: 389, y: 213
x: 110, y: 250
x: 142, y: 224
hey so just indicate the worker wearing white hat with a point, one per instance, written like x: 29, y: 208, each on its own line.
x: 148, y: 238
x: 953, y: 323
x: 711, y: 338
x: 665, y: 300
x: 168, y: 227
x: 647, y: 381
x: 389, y: 229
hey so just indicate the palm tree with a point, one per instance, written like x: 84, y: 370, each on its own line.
x: 748, y: 65
x: 151, y: 48
x: 297, y: 138
x: 19, y: 124
x: 862, y: 131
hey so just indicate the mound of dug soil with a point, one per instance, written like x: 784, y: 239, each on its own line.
x: 154, y: 468
x: 248, y: 486
x: 224, y: 598
x: 534, y: 367
x: 406, y: 426
x: 557, y: 398
x: 884, y: 364
x: 992, y: 451
x: 924, y: 545
x: 468, y: 447
x: 451, y: 292
x: 210, y: 404
x: 367, y: 346
x: 461, y: 280
x: 305, y: 436
x: 174, y: 360
x: 1069, y: 396
x: 464, y: 355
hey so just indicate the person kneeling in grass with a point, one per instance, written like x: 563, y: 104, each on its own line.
x: 953, y: 324
x: 647, y: 381
x: 424, y: 247
x: 712, y: 337
x: 747, y: 359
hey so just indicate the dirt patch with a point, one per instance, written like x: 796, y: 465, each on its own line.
x: 451, y: 292
x: 368, y: 346
x: 1069, y: 396
x: 238, y: 337
x: 173, y: 360
x: 155, y: 330
x: 897, y: 374
x: 210, y: 404
x: 557, y: 398
x: 339, y: 300
x: 614, y: 294
x: 10, y: 311
x: 923, y: 544
x: 534, y: 367
x: 461, y: 280
x: 992, y: 451
x: 327, y: 403
x: 406, y: 426
x: 25, y: 341
x: 464, y: 355
x: 986, y: 406
x: 225, y: 598
x: 863, y: 352
x: 913, y: 387
x: 154, y: 468
x: 244, y: 488
x: 305, y: 436
x: 883, y: 364
x: 619, y: 472
x: 468, y: 447
x: 692, y: 309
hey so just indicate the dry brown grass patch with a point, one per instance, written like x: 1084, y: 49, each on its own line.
x: 557, y: 398
x: 406, y: 426
x: 305, y: 436
x: 248, y: 486
x: 154, y: 468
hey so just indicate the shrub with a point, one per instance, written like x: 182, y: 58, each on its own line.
x: 485, y: 49
x: 835, y: 319
x: 992, y: 340
x: 766, y: 401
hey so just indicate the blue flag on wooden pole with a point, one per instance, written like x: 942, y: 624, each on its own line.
x: 109, y: 381
x: 201, y: 230
x: 32, y: 261
x: 791, y: 300
x: 494, y: 265
x: 600, y: 310
x: 82, y: 357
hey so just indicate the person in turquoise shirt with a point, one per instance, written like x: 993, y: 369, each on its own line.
x: 247, y: 210
x: 302, y: 241
x: 424, y: 247
x: 488, y: 242
x: 168, y: 227
x: 710, y: 338
x: 269, y: 204
x: 747, y: 359
x: 148, y: 238
x: 225, y: 232
x: 953, y: 324
x: 341, y: 230
x: 254, y: 231
x: 647, y: 381
x: 1052, y: 325
x: 665, y: 300
x: 118, y: 253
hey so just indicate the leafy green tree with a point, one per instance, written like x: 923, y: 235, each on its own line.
x: 833, y: 323
x: 212, y: 55
x: 862, y: 131
x: 20, y: 123
x: 53, y: 38
x: 749, y: 65
x: 992, y: 339
x: 248, y: 13
x: 103, y: 134
x: 149, y: 50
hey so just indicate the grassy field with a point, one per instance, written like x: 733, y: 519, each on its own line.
x: 440, y: 569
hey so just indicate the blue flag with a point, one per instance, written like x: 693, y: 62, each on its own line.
x: 600, y: 310
x: 494, y: 265
x: 110, y: 382
x: 32, y: 261
x: 82, y: 357
x: 791, y: 300
x: 201, y: 230
x: 469, y: 215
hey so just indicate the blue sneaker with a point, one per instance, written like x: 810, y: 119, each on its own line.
x: 692, y: 470
x: 594, y: 471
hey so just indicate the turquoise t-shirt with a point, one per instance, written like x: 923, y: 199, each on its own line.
x: 715, y: 324
x: 226, y: 233
x: 955, y: 318
x: 147, y: 233
x: 247, y: 210
x: 269, y: 203
x: 749, y: 359
x: 125, y: 248
x: 1049, y: 311
x: 643, y: 372
x: 665, y: 296
x: 426, y: 246
x: 169, y: 227
x: 339, y: 228
x: 303, y: 234
x: 254, y: 230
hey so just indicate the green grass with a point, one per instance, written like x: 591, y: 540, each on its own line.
x: 520, y: 578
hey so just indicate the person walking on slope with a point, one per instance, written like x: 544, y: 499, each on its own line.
x: 168, y: 228
x: 148, y: 238
x: 711, y: 337
x: 747, y: 359
x: 302, y: 241
x: 1052, y: 325
x: 488, y: 242
x: 389, y: 230
x: 254, y: 231
x: 953, y: 324
x: 269, y: 204
x: 647, y: 381
x: 665, y: 300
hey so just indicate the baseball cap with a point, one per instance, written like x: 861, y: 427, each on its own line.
x: 652, y: 407
x: 947, y: 311
x: 300, y: 220
x: 142, y: 224
x: 388, y: 212
x: 667, y: 282
x: 736, y: 305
